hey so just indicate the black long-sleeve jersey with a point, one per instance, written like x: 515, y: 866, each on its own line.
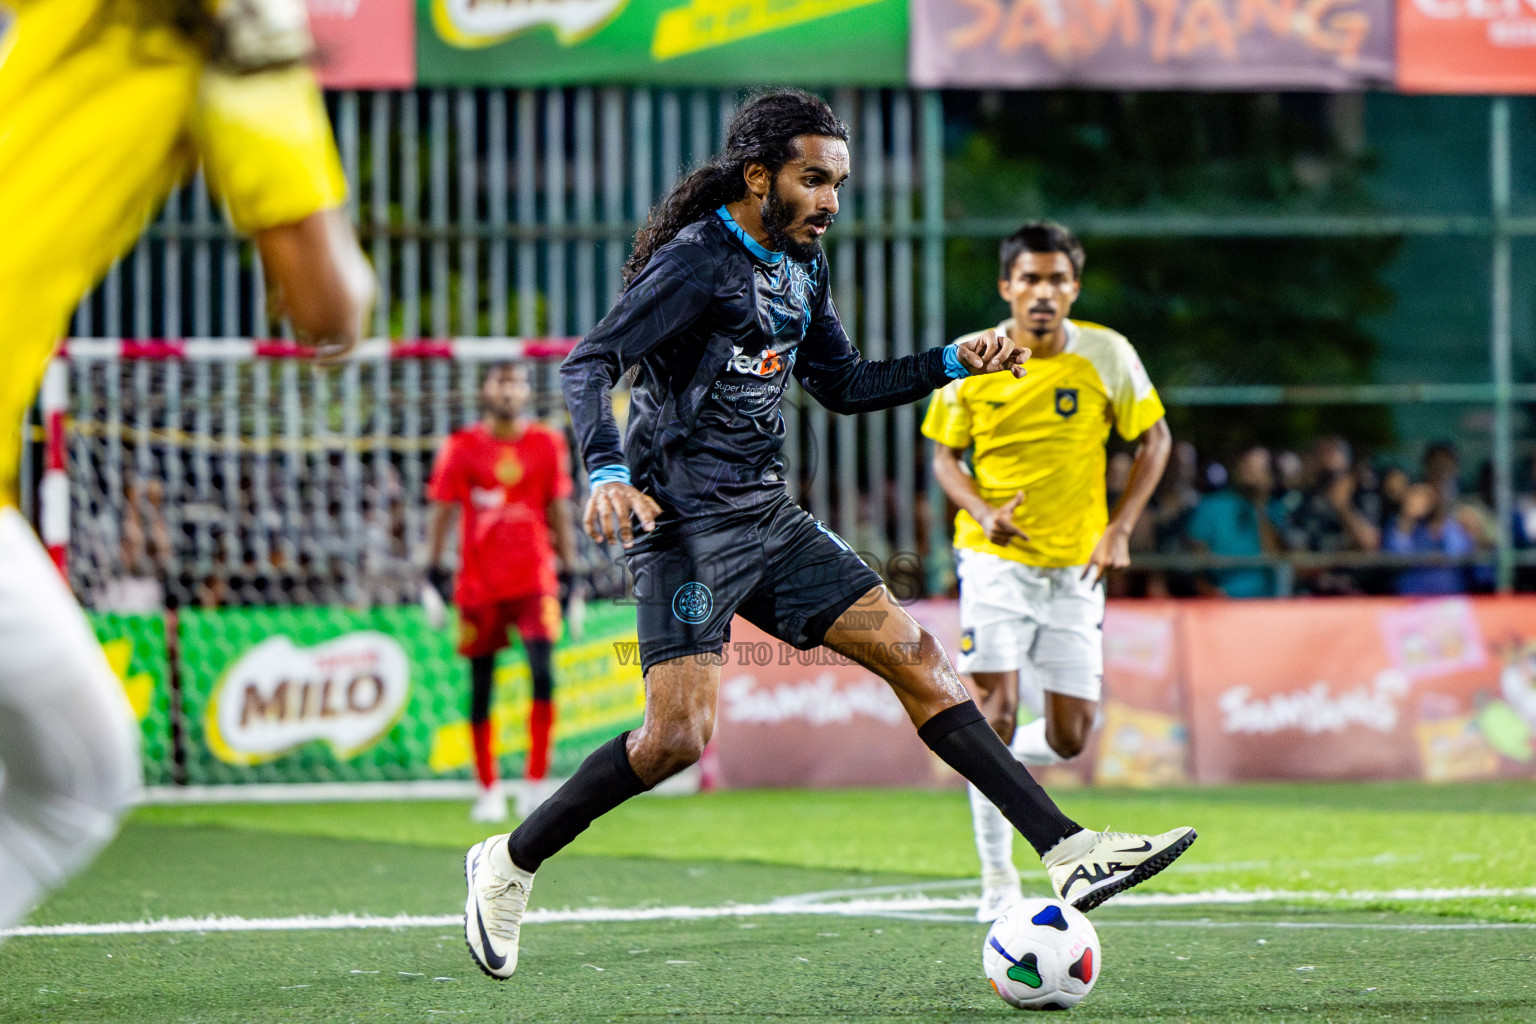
x: 715, y: 324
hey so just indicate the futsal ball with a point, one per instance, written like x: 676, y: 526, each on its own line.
x: 1042, y: 955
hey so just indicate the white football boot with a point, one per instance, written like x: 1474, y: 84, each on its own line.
x: 996, y: 897
x: 1087, y: 868
x: 490, y: 806
x: 493, y: 913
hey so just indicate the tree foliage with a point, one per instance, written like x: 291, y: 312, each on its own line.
x: 1201, y: 310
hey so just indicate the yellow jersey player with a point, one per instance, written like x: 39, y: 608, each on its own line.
x: 1033, y: 537
x: 105, y: 106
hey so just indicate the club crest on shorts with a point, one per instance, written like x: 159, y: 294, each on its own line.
x: 1066, y: 402
x: 967, y: 641
x: 693, y: 602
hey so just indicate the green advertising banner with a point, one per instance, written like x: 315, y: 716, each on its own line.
x: 339, y: 695
x: 663, y: 42
x: 135, y: 648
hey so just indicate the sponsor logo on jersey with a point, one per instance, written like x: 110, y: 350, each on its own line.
x: 279, y: 696
x: 487, y: 499
x: 1066, y: 402
x: 766, y: 363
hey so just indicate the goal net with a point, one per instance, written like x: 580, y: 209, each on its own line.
x: 228, y: 472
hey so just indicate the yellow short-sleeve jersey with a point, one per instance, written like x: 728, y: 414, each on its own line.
x: 100, y: 118
x: 1044, y: 435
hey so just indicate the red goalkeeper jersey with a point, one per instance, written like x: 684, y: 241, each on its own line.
x: 503, y: 487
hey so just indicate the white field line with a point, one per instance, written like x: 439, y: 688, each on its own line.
x: 789, y: 906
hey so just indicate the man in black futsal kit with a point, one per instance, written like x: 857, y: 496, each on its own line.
x: 727, y: 294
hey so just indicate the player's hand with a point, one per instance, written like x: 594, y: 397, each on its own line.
x: 1113, y: 551
x: 434, y: 597
x: 609, y: 508
x: 992, y: 352
x: 326, y: 351
x: 999, y: 524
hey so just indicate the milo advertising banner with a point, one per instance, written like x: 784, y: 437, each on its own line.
x: 135, y: 648
x: 673, y: 42
x: 332, y: 694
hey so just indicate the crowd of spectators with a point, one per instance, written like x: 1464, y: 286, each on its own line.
x: 1330, y: 501
x: 325, y: 536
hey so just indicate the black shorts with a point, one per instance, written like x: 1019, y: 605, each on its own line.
x: 775, y: 566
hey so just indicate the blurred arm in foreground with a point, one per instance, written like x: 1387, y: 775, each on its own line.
x: 106, y: 106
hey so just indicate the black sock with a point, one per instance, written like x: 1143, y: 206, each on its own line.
x: 961, y: 736
x: 540, y: 668
x: 482, y: 679
x: 604, y: 780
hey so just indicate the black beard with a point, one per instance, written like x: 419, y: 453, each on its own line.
x: 777, y: 217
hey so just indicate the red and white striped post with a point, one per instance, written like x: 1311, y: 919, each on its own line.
x: 53, y: 495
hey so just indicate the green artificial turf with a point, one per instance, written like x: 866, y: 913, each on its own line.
x: 1309, y: 959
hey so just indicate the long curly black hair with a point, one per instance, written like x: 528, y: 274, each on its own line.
x: 762, y: 132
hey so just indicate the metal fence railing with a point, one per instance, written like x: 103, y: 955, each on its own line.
x: 492, y: 213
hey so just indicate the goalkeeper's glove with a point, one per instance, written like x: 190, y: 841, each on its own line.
x: 434, y: 596
x: 573, y: 596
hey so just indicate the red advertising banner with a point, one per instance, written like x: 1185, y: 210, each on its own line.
x: 1142, y: 738
x: 364, y: 44
x: 1362, y: 689
x: 1476, y: 46
x: 1203, y: 691
x: 1156, y: 44
x: 810, y: 718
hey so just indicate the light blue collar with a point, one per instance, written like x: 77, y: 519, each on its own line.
x: 766, y: 255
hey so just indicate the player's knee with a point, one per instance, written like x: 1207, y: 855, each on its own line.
x: 676, y: 746
x: 1003, y: 723
x: 1068, y: 739
x: 920, y: 654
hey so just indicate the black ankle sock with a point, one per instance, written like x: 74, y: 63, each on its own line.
x: 604, y: 780
x: 961, y: 736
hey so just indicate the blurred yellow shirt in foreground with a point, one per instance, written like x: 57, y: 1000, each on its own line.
x: 101, y: 116
x: 1044, y: 435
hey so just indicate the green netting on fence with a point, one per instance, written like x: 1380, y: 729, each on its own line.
x: 135, y: 648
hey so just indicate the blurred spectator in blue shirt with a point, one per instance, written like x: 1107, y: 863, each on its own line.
x: 1424, y: 526
x: 1240, y: 520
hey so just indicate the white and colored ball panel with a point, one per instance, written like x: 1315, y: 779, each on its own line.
x: 1042, y: 955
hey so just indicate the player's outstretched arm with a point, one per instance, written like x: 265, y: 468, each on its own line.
x: 320, y: 280
x: 839, y: 378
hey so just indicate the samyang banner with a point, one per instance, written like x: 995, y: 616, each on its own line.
x: 1362, y: 688
x: 1466, y: 46
x: 670, y: 42
x: 1152, y: 44
x: 364, y: 44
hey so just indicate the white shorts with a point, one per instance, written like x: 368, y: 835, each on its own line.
x: 69, y: 744
x: 1045, y: 624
